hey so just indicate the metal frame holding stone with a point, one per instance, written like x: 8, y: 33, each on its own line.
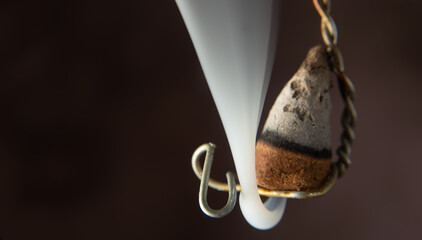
x: 348, y: 122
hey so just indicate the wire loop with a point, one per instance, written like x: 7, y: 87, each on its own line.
x: 205, y: 179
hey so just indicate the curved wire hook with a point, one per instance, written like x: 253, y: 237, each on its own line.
x: 205, y: 173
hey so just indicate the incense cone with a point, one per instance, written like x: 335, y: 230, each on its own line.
x: 294, y: 149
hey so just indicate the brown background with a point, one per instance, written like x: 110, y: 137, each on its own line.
x: 103, y: 102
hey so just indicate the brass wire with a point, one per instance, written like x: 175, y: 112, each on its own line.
x: 347, y: 90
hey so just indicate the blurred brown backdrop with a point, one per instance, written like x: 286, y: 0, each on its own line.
x: 103, y: 102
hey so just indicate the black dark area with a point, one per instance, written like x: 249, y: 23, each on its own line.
x: 276, y: 140
x: 102, y: 104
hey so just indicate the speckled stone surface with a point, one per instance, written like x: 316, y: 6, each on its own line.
x: 294, y: 149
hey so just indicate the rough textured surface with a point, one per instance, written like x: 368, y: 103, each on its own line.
x: 294, y: 150
x: 301, y: 112
x: 289, y: 170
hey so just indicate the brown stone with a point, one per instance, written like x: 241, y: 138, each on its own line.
x: 278, y: 168
x: 294, y: 149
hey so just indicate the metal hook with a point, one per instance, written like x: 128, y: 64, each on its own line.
x: 205, y: 178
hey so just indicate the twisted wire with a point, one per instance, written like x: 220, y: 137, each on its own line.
x: 347, y: 90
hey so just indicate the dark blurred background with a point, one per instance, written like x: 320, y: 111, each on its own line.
x: 103, y: 102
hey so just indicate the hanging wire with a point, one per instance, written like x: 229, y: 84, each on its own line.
x: 347, y: 90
